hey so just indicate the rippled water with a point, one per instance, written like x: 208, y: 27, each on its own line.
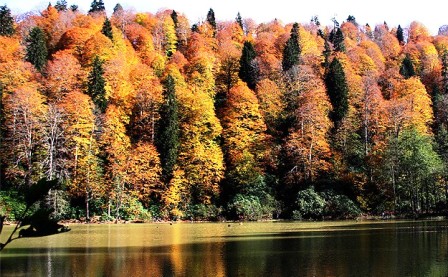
x: 402, y: 248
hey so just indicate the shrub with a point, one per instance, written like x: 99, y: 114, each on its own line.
x: 203, y: 212
x: 340, y: 206
x: 245, y: 207
x: 11, y: 205
x: 134, y: 210
x: 296, y: 215
x: 57, y: 201
x: 309, y: 204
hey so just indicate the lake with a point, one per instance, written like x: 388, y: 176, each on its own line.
x: 346, y: 248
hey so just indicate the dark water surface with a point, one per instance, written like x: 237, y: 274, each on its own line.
x: 393, y: 248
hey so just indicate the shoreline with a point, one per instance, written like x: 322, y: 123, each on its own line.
x: 359, y: 219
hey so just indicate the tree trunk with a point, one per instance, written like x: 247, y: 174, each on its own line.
x: 87, y: 208
x: 394, y: 187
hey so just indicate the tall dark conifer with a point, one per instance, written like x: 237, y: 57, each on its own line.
x: 97, y: 6
x: 239, y: 20
x: 6, y: 22
x: 74, y: 8
x: 36, y: 48
x: 352, y: 20
x: 118, y: 9
x: 292, y: 50
x: 175, y: 18
x: 96, y: 85
x: 2, y: 124
x: 445, y: 72
x: 338, y: 41
x: 107, y: 29
x: 326, y: 53
x: 337, y: 89
x: 407, y: 67
x: 61, y: 5
x: 211, y: 20
x: 400, y: 36
x: 248, y: 70
x: 169, y: 132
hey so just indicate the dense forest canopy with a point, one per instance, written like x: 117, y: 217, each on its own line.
x: 142, y: 115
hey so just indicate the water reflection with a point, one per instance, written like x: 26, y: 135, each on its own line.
x: 258, y: 249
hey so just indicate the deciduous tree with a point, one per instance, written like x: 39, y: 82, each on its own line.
x: 82, y: 166
x: 64, y: 74
x: 244, y: 137
x: 25, y: 111
x: 307, y: 147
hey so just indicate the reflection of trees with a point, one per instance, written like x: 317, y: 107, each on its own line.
x: 378, y: 249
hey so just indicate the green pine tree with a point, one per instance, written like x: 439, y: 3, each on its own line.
x: 61, y: 5
x: 338, y: 41
x: 118, y: 9
x: 2, y: 125
x: 169, y: 131
x: 174, y: 18
x: 441, y: 138
x: 107, y: 29
x: 400, y: 36
x: 211, y: 20
x: 6, y: 22
x: 97, y: 6
x: 74, y: 8
x: 326, y: 53
x: 445, y: 72
x: 195, y: 28
x: 352, y: 20
x: 239, y: 20
x: 36, y: 48
x: 248, y: 70
x: 96, y: 85
x: 369, y: 31
x: 292, y: 50
x: 407, y: 67
x: 337, y: 89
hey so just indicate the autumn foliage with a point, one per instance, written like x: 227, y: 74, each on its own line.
x: 146, y: 113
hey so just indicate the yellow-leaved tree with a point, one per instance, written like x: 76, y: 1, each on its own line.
x: 83, y: 164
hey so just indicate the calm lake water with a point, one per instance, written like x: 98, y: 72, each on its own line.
x: 400, y: 248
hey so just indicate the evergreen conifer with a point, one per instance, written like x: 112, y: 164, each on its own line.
x: 292, y: 50
x: 6, y: 22
x: 337, y: 90
x: 211, y: 20
x: 338, y: 41
x: 107, y: 29
x: 96, y: 85
x: 97, y: 6
x: 239, y: 20
x: 407, y: 68
x: 400, y: 36
x: 248, y: 71
x: 61, y: 6
x: 36, y: 49
x: 169, y: 132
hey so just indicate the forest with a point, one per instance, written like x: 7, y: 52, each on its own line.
x: 142, y: 116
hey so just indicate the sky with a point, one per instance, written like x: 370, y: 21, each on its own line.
x: 432, y: 13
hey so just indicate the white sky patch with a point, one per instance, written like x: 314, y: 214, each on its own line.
x: 431, y: 13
